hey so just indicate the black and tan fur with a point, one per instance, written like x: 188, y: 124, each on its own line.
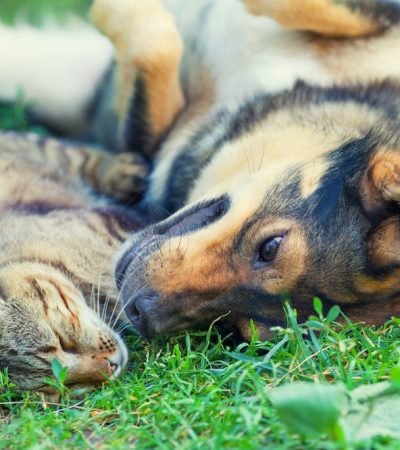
x: 316, y: 165
x: 263, y: 119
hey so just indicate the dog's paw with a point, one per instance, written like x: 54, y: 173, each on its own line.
x: 141, y: 21
x: 124, y: 177
x: 146, y: 41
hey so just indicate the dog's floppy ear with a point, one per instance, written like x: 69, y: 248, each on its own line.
x: 384, y: 244
x: 380, y: 184
x: 380, y: 196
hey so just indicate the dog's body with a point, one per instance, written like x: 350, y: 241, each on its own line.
x: 276, y: 148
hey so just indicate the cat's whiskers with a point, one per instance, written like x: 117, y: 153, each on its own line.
x: 119, y: 300
x: 124, y: 307
x: 91, y: 299
x: 98, y: 294
x: 105, y: 307
x: 108, y: 322
x: 122, y: 327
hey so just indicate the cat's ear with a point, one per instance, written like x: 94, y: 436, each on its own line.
x: 380, y: 184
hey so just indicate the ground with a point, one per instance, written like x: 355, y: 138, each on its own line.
x: 197, y: 390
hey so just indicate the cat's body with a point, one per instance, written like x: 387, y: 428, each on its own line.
x: 58, y: 236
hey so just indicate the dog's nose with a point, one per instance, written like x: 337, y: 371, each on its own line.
x: 142, y: 312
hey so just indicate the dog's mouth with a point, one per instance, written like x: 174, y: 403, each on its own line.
x: 183, y: 223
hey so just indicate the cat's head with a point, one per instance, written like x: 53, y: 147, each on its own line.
x: 44, y: 316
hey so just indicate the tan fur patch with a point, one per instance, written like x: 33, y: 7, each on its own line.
x: 321, y: 16
x: 210, y: 272
x: 260, y: 157
x: 379, y: 286
x: 185, y: 126
x: 381, y: 182
x: 384, y: 244
x: 350, y: 61
x: 217, y: 269
x: 311, y: 176
x: 385, y: 174
x: 146, y: 43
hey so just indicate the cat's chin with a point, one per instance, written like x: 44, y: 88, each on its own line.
x: 51, y: 396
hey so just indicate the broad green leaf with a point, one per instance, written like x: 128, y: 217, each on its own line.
x: 37, y: 11
x: 369, y: 411
x: 395, y: 377
x: 59, y: 371
x: 317, y: 306
x: 374, y: 410
x: 333, y: 314
x: 311, y: 408
x: 315, y: 325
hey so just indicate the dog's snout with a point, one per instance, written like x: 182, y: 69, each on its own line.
x: 142, y: 305
x: 141, y: 311
x: 195, y: 218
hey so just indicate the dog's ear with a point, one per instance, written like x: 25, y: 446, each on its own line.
x: 384, y: 245
x: 380, y: 197
x: 380, y: 184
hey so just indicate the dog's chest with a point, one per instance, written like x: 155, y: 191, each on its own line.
x: 243, y: 56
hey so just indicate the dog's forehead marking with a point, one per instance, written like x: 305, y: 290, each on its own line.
x: 281, y: 141
x: 311, y: 175
x: 260, y: 151
x: 225, y: 229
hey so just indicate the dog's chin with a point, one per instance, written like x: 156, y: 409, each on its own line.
x: 249, y: 330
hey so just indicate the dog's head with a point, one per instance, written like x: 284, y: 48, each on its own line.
x: 313, y: 223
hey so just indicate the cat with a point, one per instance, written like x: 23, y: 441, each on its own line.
x: 59, y: 231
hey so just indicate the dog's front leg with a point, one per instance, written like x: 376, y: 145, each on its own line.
x: 345, y: 18
x: 148, y: 51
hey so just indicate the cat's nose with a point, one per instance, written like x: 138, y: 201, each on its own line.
x: 116, y: 368
x: 92, y: 370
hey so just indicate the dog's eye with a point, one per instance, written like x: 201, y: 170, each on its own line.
x: 269, y: 249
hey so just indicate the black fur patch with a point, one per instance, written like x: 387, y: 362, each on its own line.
x: 228, y: 126
x: 136, y: 127
x: 346, y: 163
x: 37, y: 208
x: 384, y: 12
x: 127, y: 219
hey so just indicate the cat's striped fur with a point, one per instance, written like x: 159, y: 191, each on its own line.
x: 58, y: 235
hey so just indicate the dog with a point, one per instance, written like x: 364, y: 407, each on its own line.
x: 272, y: 127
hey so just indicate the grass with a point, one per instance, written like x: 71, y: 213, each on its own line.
x: 33, y: 11
x: 195, y: 390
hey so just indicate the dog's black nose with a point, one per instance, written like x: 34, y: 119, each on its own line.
x: 141, y: 310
